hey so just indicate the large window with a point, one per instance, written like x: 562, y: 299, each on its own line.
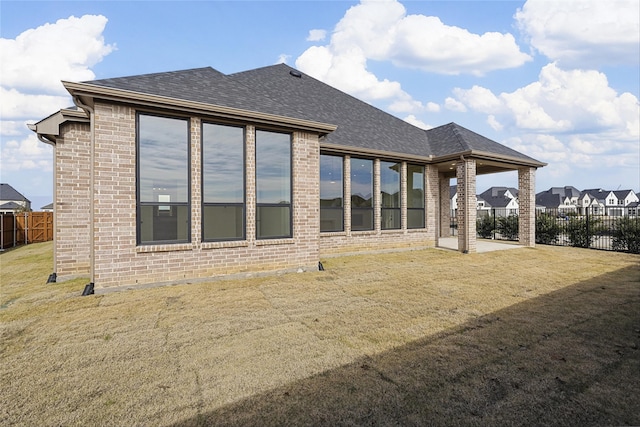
x: 273, y: 185
x: 361, y: 194
x: 223, y: 195
x: 390, y: 195
x: 163, y: 209
x: 415, y: 196
x: 331, y: 193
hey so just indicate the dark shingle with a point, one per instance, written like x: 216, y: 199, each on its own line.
x: 274, y: 90
x: 7, y: 192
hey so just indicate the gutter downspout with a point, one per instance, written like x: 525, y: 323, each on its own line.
x: 53, y: 276
x: 88, y: 289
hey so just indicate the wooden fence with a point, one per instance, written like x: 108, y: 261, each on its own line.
x: 23, y: 228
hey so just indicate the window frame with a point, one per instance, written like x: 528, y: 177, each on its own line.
x: 370, y: 209
x: 203, y: 203
x: 258, y: 205
x: 412, y: 209
x: 140, y: 204
x: 333, y: 208
x: 396, y: 210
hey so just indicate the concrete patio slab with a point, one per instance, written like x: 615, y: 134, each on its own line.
x: 481, y: 244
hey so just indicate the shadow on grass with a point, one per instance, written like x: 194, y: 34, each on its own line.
x: 567, y: 358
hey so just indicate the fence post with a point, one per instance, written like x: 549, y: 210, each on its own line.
x: 26, y: 229
x: 1, y: 231
x: 493, y: 212
x: 588, y: 233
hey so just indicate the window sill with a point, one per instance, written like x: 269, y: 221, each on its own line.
x: 364, y: 233
x: 226, y: 244
x: 416, y: 230
x: 333, y: 233
x: 267, y: 242
x: 164, y: 248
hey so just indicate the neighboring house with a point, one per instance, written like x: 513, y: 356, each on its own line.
x: 598, y: 201
x: 47, y: 208
x: 11, y: 201
x: 502, y: 200
x: 562, y: 199
x: 481, y: 205
x: 593, y: 201
x: 192, y: 174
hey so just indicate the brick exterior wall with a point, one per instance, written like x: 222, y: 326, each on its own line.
x: 71, y: 201
x: 335, y: 243
x: 466, y: 214
x: 527, y: 212
x: 120, y: 262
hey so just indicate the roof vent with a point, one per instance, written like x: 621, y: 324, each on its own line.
x: 296, y: 73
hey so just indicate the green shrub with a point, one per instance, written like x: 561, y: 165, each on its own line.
x: 484, y: 226
x: 508, y: 227
x: 626, y: 235
x: 547, y: 229
x: 581, y: 230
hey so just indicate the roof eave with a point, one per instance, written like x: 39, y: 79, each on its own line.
x: 511, y: 160
x: 87, y: 93
x: 49, y: 127
x: 344, y: 149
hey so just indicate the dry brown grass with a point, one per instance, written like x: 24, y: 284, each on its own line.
x: 526, y: 336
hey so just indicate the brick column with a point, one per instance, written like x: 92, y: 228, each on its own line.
x: 432, y: 201
x: 527, y: 201
x: 196, y: 182
x: 466, y: 176
x: 377, y: 197
x: 347, y: 195
x: 250, y: 177
x: 445, y: 206
x: 403, y: 196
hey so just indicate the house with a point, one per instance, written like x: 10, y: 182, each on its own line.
x: 47, y: 208
x: 11, y: 201
x: 481, y: 205
x: 187, y: 175
x: 560, y: 199
x: 597, y: 201
x: 502, y: 200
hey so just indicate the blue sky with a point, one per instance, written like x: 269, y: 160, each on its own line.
x: 559, y: 81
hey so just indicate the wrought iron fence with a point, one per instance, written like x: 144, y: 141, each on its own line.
x: 555, y: 227
x: 605, y: 232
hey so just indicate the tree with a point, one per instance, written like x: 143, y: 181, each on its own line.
x: 581, y: 230
x: 547, y: 229
x: 508, y: 227
x: 484, y: 226
x: 626, y: 235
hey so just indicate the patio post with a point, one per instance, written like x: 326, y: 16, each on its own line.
x: 527, y: 209
x: 466, y: 176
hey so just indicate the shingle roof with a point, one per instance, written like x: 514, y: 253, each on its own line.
x: 283, y: 91
x: 495, y: 196
x: 7, y: 192
x: 445, y: 139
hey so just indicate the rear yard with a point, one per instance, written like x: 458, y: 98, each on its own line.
x: 545, y: 336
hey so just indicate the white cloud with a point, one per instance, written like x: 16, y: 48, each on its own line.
x: 569, y: 117
x: 316, y: 35
x: 28, y: 153
x: 454, y: 105
x: 32, y: 66
x: 417, y: 122
x: 577, y: 101
x: 16, y: 105
x: 39, y: 58
x: 583, y: 32
x: 283, y: 58
x: 382, y: 31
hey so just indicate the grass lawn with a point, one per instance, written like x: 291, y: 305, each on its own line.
x: 533, y: 336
